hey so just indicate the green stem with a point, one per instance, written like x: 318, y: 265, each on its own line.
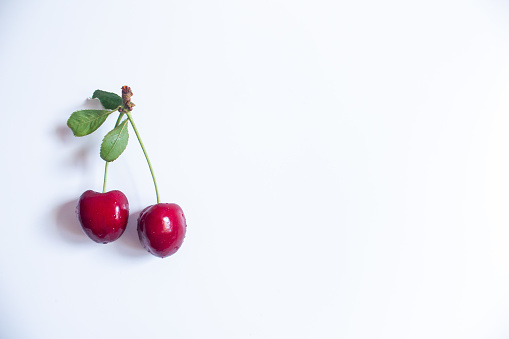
x: 107, y: 162
x: 105, y: 176
x: 144, y: 152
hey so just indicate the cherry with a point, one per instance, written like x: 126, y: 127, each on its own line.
x: 103, y: 216
x: 162, y: 228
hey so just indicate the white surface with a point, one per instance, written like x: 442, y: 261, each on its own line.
x: 343, y: 167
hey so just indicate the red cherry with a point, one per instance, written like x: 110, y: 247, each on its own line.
x: 103, y: 216
x: 162, y: 228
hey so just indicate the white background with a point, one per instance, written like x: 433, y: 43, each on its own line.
x: 343, y: 167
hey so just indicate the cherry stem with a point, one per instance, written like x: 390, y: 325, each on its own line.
x: 107, y: 162
x: 144, y: 152
x: 105, y: 176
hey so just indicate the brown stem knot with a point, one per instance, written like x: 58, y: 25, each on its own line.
x: 126, y: 98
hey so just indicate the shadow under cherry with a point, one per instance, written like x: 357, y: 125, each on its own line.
x: 68, y: 225
x: 129, y: 242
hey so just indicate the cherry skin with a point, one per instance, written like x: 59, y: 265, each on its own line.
x: 162, y: 228
x: 103, y: 216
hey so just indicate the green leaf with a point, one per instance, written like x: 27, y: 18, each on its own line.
x: 108, y: 100
x: 115, y: 142
x: 86, y: 121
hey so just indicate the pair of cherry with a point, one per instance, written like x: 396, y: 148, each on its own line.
x: 104, y: 216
